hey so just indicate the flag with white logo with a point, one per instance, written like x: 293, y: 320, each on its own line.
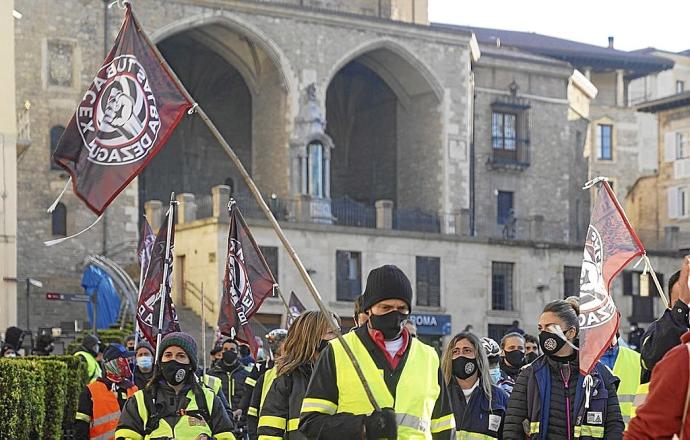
x: 248, y: 282
x: 611, y: 244
x: 123, y: 120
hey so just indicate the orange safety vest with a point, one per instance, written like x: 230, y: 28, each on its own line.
x: 106, y: 411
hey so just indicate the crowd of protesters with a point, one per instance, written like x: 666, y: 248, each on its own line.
x: 310, y: 383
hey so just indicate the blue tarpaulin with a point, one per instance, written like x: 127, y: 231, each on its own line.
x: 97, y: 282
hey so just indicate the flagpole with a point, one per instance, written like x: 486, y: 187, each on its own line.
x: 203, y: 326
x: 267, y: 212
x: 166, y: 266
x: 136, y: 318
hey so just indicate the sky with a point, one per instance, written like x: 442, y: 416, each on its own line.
x: 634, y: 24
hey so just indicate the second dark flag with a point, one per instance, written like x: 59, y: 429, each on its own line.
x: 248, y: 282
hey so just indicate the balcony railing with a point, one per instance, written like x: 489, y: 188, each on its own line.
x: 534, y: 228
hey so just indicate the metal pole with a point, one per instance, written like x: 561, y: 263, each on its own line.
x: 269, y: 215
x: 203, y: 327
x: 28, y: 287
x: 166, y: 266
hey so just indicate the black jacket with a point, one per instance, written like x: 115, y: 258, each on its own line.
x: 232, y: 382
x: 517, y: 411
x: 254, y: 408
x: 283, y: 404
x: 661, y: 336
x: 251, y: 381
x: 141, y: 379
x: 345, y: 426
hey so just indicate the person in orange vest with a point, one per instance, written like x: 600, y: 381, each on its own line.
x: 101, y: 401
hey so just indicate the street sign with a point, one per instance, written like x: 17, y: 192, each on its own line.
x: 71, y: 297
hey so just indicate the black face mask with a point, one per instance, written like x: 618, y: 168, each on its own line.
x: 464, y: 367
x: 229, y: 358
x: 516, y: 358
x: 550, y: 343
x: 175, y: 373
x: 531, y: 357
x: 322, y: 345
x: 388, y: 324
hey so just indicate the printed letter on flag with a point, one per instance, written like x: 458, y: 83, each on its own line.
x: 123, y: 120
x: 611, y: 244
x: 247, y: 283
x: 148, y: 308
x: 296, y: 308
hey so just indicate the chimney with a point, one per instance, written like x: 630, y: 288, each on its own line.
x: 610, y: 42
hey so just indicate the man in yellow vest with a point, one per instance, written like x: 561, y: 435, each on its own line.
x: 90, y: 352
x: 403, y: 374
x: 102, y: 400
x: 625, y: 364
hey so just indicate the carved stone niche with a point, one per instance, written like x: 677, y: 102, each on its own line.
x: 310, y: 128
x: 60, y: 64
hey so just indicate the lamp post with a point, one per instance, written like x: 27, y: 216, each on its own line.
x: 30, y: 282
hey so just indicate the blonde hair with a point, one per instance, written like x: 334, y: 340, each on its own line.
x: 480, y: 357
x: 302, y: 341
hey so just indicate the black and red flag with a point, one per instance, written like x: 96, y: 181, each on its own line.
x: 610, y: 245
x: 123, y: 120
x: 148, y: 308
x: 248, y: 282
x: 146, y: 241
x: 295, y: 308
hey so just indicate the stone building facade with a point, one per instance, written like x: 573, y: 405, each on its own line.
x: 369, y: 131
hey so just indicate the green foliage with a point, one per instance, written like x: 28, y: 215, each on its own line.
x: 39, y: 395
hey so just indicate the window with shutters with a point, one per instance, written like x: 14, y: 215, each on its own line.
x: 59, y: 220
x: 571, y: 281
x: 605, y: 142
x: 348, y: 275
x: 680, y: 86
x: 497, y: 331
x: 681, y: 150
x: 643, y: 292
x: 55, y: 135
x: 682, y: 205
x: 678, y: 202
x: 428, y: 285
x: 504, y: 207
x: 501, y: 286
x: 270, y: 254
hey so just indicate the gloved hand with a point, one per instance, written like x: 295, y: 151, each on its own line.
x: 381, y: 424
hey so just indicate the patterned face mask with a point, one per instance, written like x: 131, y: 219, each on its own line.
x: 117, y: 370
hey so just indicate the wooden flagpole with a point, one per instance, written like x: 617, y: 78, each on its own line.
x: 267, y: 212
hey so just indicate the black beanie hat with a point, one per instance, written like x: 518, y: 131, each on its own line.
x: 386, y: 282
x: 182, y: 340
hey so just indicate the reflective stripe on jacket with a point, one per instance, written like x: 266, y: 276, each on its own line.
x: 92, y: 367
x: 188, y: 425
x: 415, y: 395
x: 628, y: 369
x: 105, y: 410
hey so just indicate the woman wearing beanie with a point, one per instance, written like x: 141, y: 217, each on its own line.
x: 306, y: 339
x: 403, y: 373
x: 143, y: 364
x: 174, y: 404
x: 478, y: 405
x: 548, y: 399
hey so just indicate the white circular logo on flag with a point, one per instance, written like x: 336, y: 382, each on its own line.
x: 596, y: 306
x: 118, y: 119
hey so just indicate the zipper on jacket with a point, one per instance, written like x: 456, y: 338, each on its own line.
x: 566, y: 385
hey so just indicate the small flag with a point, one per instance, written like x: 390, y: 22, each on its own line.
x: 296, y: 308
x: 248, y: 282
x: 123, y: 120
x: 146, y: 241
x: 610, y: 245
x: 148, y: 308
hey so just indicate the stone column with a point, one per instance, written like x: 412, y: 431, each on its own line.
x: 153, y: 209
x: 220, y: 195
x: 620, y: 88
x: 384, y: 214
x: 186, y: 209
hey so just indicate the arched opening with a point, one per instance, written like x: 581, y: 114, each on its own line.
x: 59, y: 220
x: 240, y: 87
x: 384, y: 116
